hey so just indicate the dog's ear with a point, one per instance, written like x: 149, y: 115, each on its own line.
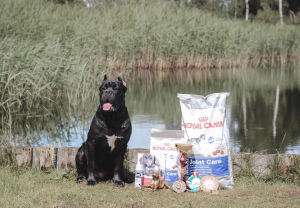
x: 124, y: 83
x: 105, y: 78
x: 142, y: 160
x: 155, y: 161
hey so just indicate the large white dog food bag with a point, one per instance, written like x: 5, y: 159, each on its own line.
x: 204, y: 126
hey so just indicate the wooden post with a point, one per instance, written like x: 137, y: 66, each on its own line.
x: 24, y: 156
x: 66, y: 158
x: 44, y: 158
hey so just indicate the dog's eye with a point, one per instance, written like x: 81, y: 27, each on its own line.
x: 115, y: 87
x: 104, y: 87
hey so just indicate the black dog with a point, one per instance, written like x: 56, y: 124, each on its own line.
x: 101, y: 156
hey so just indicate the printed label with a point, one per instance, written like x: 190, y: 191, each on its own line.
x: 138, y: 179
x: 171, y: 176
x: 210, y: 166
x: 203, y: 128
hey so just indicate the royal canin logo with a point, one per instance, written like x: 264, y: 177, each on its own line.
x: 203, y: 119
x: 167, y: 144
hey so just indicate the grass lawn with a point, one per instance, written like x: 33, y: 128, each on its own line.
x: 27, y: 188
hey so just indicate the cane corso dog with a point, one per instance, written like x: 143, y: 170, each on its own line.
x: 101, y: 156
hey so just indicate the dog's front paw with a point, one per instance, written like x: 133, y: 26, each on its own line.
x: 91, y: 183
x: 119, y: 184
x: 80, y: 178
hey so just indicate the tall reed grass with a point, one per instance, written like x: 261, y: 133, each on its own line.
x: 54, y: 52
x: 136, y: 34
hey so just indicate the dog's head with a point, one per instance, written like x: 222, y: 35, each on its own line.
x: 112, y: 94
x: 148, y: 160
x: 195, y: 140
x: 155, y: 174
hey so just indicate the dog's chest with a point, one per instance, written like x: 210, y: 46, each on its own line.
x: 111, y: 140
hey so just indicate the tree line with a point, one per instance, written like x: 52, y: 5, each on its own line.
x: 270, y: 11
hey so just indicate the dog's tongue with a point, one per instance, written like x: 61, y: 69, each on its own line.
x: 107, y: 106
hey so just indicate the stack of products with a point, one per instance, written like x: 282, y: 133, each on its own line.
x: 203, y: 126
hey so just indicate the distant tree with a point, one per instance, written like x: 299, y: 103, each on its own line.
x: 235, y: 9
x: 293, y: 5
x: 260, y: 10
x: 280, y: 12
x: 247, y: 10
x: 292, y: 16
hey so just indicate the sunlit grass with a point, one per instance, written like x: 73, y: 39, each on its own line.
x: 58, y: 189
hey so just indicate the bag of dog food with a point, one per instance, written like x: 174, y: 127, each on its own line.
x: 163, y: 142
x: 204, y: 126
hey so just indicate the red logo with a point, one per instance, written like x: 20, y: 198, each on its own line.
x: 203, y: 119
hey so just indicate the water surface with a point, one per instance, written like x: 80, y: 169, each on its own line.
x: 263, y: 108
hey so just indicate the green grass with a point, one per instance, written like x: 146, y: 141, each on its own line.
x: 20, y: 188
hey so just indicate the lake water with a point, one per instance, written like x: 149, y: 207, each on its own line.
x: 262, y: 110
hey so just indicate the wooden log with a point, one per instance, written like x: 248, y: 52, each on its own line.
x: 66, y: 158
x: 24, y: 156
x: 44, y: 158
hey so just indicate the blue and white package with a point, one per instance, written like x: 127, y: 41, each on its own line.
x: 204, y: 126
x: 217, y: 167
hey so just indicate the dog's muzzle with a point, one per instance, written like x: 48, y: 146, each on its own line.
x: 108, y: 98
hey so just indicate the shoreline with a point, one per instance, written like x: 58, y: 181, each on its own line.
x: 257, y: 165
x: 202, y: 63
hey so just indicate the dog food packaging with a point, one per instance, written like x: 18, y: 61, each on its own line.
x: 204, y: 126
x: 150, y: 162
x: 163, y: 142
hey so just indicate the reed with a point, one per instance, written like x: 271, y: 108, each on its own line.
x: 133, y: 34
x: 52, y: 53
